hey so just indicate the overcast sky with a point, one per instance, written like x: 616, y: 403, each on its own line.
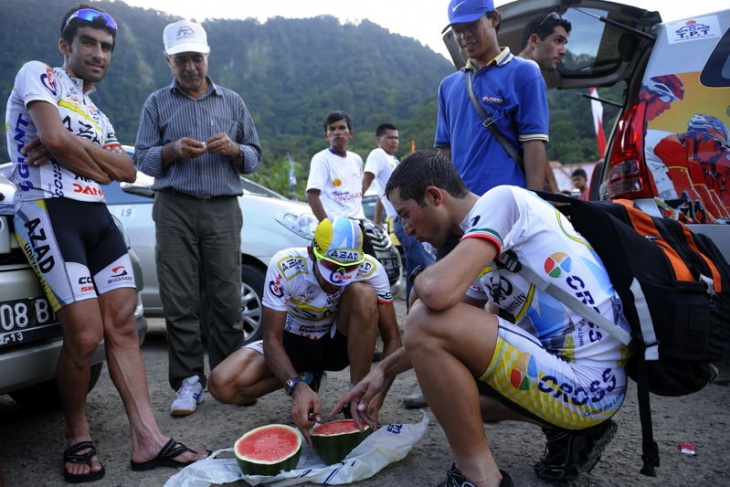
x: 423, y: 23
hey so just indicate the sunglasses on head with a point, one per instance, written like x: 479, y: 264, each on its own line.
x: 90, y: 15
x: 551, y: 15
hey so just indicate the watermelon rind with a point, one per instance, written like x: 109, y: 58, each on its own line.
x: 334, y: 447
x: 257, y: 438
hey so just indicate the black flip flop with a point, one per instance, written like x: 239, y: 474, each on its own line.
x: 71, y: 455
x: 165, y: 458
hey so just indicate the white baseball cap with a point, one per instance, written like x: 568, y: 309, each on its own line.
x: 184, y: 36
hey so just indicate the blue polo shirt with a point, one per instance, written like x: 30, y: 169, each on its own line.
x: 513, y: 91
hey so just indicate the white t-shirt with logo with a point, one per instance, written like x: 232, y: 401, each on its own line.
x: 339, y: 180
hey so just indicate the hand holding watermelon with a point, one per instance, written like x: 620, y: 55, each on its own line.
x: 368, y: 396
x: 306, y: 409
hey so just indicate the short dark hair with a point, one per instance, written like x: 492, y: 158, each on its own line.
x: 383, y: 127
x: 422, y: 169
x: 68, y: 32
x: 579, y: 173
x: 332, y: 117
x: 544, y: 26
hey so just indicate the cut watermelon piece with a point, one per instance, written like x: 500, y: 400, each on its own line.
x: 335, y: 440
x: 268, y: 450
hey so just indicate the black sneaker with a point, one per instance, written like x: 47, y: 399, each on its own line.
x: 454, y: 478
x: 568, y: 455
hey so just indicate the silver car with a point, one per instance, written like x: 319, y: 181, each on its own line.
x: 271, y: 223
x: 30, y: 334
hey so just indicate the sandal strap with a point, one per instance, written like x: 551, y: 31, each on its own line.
x: 71, y: 454
x: 173, y: 449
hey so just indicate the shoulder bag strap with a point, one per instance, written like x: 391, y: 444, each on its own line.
x: 488, y: 122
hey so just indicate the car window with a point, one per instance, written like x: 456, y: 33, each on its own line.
x: 115, y: 195
x: 595, y: 47
x: 717, y: 70
x: 258, y: 189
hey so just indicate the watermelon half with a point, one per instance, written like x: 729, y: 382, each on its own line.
x: 268, y: 450
x: 333, y: 441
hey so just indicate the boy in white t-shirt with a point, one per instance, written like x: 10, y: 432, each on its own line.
x: 334, y: 187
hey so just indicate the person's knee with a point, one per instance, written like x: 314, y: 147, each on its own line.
x: 417, y: 332
x: 220, y: 386
x: 79, y: 347
x: 361, y: 300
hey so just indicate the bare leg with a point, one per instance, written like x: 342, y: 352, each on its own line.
x: 242, y: 378
x: 495, y: 411
x: 357, y: 318
x: 126, y: 369
x: 448, y: 349
x: 82, y: 331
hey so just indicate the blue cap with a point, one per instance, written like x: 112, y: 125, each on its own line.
x: 465, y: 11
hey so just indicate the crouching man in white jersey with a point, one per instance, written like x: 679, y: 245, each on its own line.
x: 547, y: 366
x: 63, y: 150
x: 323, y: 308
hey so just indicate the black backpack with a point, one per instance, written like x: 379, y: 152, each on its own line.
x: 675, y: 289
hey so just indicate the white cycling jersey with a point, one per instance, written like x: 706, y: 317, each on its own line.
x: 37, y: 81
x: 291, y: 286
x: 545, y: 241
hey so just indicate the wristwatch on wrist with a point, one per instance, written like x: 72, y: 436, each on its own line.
x: 240, y: 151
x: 291, y: 384
x: 414, y: 273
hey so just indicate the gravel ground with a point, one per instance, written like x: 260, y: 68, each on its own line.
x: 31, y: 442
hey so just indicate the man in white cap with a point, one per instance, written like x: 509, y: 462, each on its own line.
x: 323, y: 308
x: 196, y: 138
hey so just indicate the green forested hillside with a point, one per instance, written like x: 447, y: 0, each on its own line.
x: 290, y: 72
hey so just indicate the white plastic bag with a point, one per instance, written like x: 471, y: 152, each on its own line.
x: 389, y: 444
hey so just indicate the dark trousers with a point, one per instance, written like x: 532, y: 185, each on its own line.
x: 198, y: 244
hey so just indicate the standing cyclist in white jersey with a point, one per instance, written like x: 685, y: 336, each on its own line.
x: 64, y: 150
x: 547, y: 365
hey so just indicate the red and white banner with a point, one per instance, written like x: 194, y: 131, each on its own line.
x: 597, y: 109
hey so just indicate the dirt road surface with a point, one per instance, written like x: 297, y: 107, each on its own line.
x: 32, y: 442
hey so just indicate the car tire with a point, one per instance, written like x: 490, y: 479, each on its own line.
x: 252, y: 293
x: 44, y: 396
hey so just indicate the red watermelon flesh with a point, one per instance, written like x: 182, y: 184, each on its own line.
x: 268, y: 450
x: 335, y: 440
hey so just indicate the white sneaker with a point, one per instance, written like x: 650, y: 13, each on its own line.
x: 189, y: 396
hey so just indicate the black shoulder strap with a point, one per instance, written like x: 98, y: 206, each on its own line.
x: 488, y: 122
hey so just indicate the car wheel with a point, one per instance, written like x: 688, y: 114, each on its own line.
x: 45, y: 395
x: 252, y: 292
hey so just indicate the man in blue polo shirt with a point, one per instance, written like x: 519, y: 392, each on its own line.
x: 510, y: 89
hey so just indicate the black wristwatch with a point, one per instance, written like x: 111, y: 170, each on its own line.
x: 414, y: 273
x: 291, y: 384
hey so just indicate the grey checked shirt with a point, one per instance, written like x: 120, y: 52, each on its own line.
x: 169, y: 114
